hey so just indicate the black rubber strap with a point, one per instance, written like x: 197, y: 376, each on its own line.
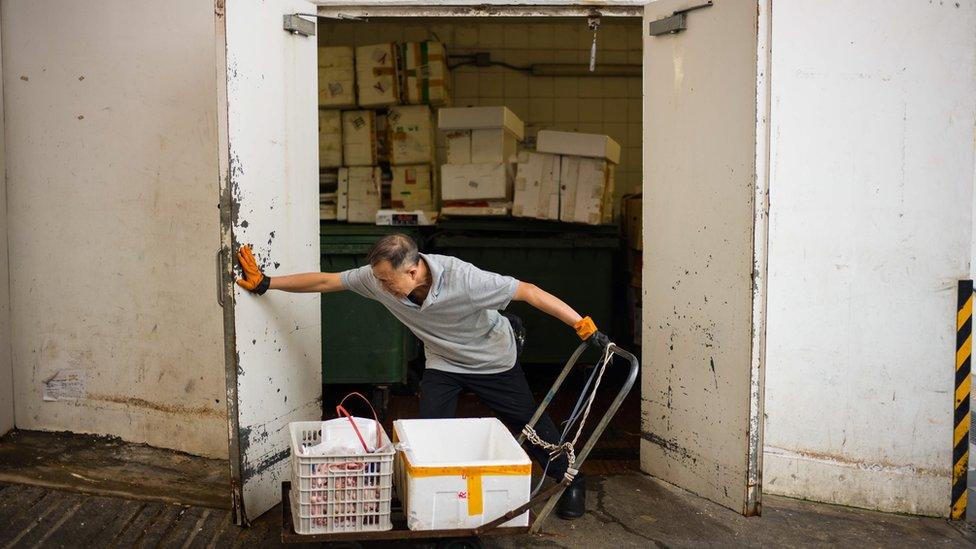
x: 263, y: 285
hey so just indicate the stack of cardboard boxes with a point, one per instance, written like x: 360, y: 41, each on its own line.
x: 569, y: 178
x: 631, y: 207
x: 381, y: 154
x: 482, y: 146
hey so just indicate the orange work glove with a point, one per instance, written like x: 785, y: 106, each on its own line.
x: 254, y: 280
x: 586, y: 330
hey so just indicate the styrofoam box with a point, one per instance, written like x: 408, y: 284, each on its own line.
x: 476, y: 118
x: 586, y: 190
x: 362, y: 192
x: 458, y: 146
x: 337, y: 77
x: 359, y: 138
x: 593, y: 145
x: 330, y: 138
x: 537, y: 186
x: 493, y: 145
x: 348, y: 492
x: 377, y: 80
x: 411, y: 134
x: 342, y: 195
x: 481, y: 208
x: 459, y: 473
x: 411, y: 188
x: 491, y: 181
x: 425, y: 73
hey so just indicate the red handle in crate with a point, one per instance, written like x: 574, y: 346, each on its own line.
x: 340, y: 411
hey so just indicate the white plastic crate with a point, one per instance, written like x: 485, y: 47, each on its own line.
x: 340, y: 493
x: 459, y: 473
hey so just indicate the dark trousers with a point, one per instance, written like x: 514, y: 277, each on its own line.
x: 506, y: 393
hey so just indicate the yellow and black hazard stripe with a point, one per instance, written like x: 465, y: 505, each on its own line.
x: 960, y: 434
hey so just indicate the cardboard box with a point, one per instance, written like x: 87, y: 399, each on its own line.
x: 586, y: 190
x: 537, y: 186
x: 412, y: 188
x: 633, y: 214
x: 493, y: 145
x: 491, y: 181
x: 458, y: 146
x: 477, y: 207
x: 337, y: 77
x: 425, y: 74
x: 359, y: 138
x: 411, y: 134
x: 330, y: 138
x: 377, y: 81
x: 363, y: 193
x: 591, y: 145
x: 480, y: 118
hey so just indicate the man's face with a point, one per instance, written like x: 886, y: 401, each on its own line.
x: 399, y: 282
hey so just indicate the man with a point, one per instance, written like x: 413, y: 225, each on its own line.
x: 453, y: 308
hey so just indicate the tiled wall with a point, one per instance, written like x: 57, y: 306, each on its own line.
x: 587, y: 104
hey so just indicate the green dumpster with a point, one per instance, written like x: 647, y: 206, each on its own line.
x: 576, y: 268
x: 361, y: 341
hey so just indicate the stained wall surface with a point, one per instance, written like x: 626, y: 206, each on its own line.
x: 111, y: 161
x: 871, y: 220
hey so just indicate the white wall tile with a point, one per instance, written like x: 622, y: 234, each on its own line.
x: 541, y: 86
x: 590, y: 86
x: 591, y: 110
x: 540, y: 35
x: 566, y: 87
x: 566, y: 109
x: 491, y: 35
x: 615, y: 110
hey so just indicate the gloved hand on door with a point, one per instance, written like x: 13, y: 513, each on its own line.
x: 254, y: 280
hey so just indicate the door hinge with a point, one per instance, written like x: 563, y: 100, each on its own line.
x: 296, y: 24
x: 676, y: 22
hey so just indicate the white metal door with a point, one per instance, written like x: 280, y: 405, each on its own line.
x: 269, y: 184
x: 704, y: 249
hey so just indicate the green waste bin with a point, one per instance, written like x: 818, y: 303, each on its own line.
x: 576, y: 268
x: 361, y: 341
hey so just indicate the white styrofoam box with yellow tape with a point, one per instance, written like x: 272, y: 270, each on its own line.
x: 330, y: 138
x: 411, y: 188
x: 377, y: 81
x: 337, y: 77
x: 425, y: 73
x: 363, y: 192
x: 481, y: 118
x: 489, y: 181
x: 359, y: 138
x: 411, y: 134
x: 591, y: 145
x: 459, y: 473
x: 586, y: 190
x: 537, y: 186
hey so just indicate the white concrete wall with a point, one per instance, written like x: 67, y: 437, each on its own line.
x: 6, y: 369
x: 871, y: 222
x: 112, y: 190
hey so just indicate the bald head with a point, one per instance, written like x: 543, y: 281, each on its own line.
x: 399, y: 249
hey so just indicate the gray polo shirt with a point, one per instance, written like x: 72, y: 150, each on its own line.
x: 459, y: 321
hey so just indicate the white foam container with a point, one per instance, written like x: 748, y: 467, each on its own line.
x: 459, y: 473
x: 340, y: 493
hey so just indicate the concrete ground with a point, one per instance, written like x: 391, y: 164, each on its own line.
x: 626, y: 510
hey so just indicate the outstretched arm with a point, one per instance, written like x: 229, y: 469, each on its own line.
x: 256, y: 281
x: 307, y: 282
x: 546, y: 302
x: 553, y: 306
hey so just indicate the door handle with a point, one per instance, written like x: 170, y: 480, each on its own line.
x: 220, y: 294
